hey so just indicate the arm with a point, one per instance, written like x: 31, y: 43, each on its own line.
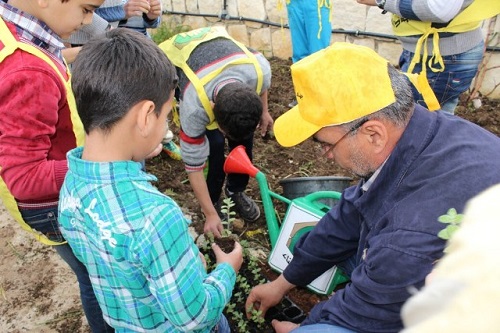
x: 190, y: 298
x: 266, y: 121
x: 265, y: 296
x: 334, y: 239
x: 440, y: 11
x: 32, y: 166
x: 213, y: 223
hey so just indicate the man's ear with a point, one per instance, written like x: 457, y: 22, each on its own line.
x: 376, y: 134
x: 145, y: 110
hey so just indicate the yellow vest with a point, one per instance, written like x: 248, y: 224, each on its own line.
x: 10, y: 45
x: 467, y: 20
x: 178, y: 49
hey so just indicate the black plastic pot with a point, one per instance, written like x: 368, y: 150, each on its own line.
x: 286, y: 311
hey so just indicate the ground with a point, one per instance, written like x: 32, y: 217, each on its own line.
x: 38, y: 292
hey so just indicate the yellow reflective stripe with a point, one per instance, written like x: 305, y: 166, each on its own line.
x: 179, y: 48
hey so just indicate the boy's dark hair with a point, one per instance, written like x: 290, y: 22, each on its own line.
x: 115, y: 71
x: 237, y: 110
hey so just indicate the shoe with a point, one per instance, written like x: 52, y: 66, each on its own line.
x: 292, y: 104
x: 246, y: 208
x: 170, y: 147
x: 172, y: 150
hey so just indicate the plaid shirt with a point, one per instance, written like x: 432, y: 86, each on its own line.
x: 142, y: 261
x: 32, y: 30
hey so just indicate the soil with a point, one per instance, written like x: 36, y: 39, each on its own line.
x: 38, y: 292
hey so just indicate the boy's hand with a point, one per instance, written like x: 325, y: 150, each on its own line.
x: 136, y: 8
x: 234, y: 258
x: 213, y: 224
x: 154, y: 10
x: 265, y: 124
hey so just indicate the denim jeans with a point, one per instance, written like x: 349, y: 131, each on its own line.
x: 459, y: 70
x: 215, y: 177
x: 222, y: 326
x: 321, y: 328
x: 45, y: 221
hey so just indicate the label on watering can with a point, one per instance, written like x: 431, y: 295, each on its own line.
x: 298, y: 221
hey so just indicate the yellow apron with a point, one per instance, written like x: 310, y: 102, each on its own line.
x: 178, y: 49
x: 10, y: 45
x: 469, y: 19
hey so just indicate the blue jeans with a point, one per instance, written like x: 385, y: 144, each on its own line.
x: 45, y: 221
x: 304, y: 23
x: 236, y: 182
x: 347, y: 267
x: 321, y: 328
x: 222, y: 326
x: 459, y: 70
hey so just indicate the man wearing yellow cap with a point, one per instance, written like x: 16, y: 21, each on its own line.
x: 414, y: 166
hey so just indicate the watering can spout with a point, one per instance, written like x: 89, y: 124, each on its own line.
x: 238, y: 162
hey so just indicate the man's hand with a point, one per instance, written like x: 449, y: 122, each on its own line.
x: 283, y: 326
x: 267, y: 295
x: 154, y: 10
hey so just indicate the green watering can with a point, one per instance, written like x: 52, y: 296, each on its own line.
x: 301, y: 216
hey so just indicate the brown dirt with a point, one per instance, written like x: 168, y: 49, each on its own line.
x: 38, y: 293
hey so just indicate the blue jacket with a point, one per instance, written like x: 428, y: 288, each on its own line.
x: 439, y: 163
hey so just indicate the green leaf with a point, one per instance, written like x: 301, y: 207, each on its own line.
x: 448, y: 232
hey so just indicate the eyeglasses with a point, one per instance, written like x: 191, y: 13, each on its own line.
x: 327, y: 147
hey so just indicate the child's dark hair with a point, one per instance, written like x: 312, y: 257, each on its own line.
x: 237, y: 110
x: 115, y: 71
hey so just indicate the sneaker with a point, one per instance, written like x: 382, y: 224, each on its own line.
x: 170, y: 147
x: 292, y: 104
x: 246, y: 208
x: 172, y: 150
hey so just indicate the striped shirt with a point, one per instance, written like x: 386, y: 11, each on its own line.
x: 32, y: 30
x: 134, y: 241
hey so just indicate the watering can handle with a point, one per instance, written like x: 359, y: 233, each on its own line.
x: 323, y: 195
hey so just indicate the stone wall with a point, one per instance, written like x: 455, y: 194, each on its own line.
x: 258, y: 23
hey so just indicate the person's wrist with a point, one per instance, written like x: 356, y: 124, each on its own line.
x: 381, y: 5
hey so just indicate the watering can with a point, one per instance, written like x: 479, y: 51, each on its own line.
x: 302, y: 215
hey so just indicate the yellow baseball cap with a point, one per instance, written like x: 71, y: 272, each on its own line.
x: 334, y: 86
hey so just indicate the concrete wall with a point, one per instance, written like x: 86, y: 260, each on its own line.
x: 263, y: 30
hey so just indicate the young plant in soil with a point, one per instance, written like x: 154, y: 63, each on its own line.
x: 250, y: 275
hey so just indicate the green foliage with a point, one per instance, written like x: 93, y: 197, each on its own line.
x: 453, y: 221
x: 242, y: 287
x: 228, y: 219
x: 166, y: 30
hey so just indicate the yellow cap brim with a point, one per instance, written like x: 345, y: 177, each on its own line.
x: 289, y: 135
